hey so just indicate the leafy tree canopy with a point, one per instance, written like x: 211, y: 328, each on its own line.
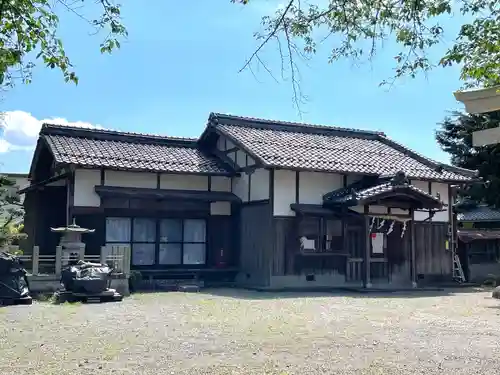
x: 356, y: 29
x: 11, y: 212
x: 29, y: 32
x: 455, y: 137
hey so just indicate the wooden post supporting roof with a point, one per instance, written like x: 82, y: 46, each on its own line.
x: 413, y: 259
x: 367, y: 279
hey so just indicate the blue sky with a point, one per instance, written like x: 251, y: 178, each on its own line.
x: 180, y: 62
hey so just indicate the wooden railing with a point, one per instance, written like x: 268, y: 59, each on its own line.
x: 117, y: 257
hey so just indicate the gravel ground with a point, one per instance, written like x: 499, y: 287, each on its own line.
x: 240, y: 332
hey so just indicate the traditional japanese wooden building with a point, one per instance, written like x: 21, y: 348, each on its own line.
x: 479, y: 242
x: 278, y: 204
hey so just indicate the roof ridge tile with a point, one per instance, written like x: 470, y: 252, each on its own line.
x: 267, y: 123
x: 80, y: 131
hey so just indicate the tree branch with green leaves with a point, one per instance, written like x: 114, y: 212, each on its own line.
x: 11, y: 212
x: 29, y: 32
x: 358, y: 29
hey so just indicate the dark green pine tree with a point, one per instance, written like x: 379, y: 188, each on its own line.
x: 454, y: 136
x: 11, y: 212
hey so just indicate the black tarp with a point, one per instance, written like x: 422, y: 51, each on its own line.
x: 85, y: 277
x: 13, y: 281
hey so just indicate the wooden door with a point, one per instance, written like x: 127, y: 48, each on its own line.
x: 355, y: 245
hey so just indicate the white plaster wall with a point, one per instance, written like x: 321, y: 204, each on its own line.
x: 183, y: 182
x: 373, y: 209
x: 229, y: 144
x: 313, y: 185
x: 220, y: 208
x: 436, y: 187
x: 221, y: 183
x: 130, y: 179
x: 84, y: 194
x: 240, y: 187
x: 442, y: 189
x: 241, y: 158
x: 221, y: 145
x: 399, y: 211
x: 259, y: 188
x: 284, y: 192
x: 422, y: 185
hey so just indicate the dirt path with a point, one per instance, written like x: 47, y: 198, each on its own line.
x: 241, y: 332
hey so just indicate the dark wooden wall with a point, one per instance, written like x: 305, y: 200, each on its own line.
x: 93, y: 241
x: 30, y: 208
x: 256, y: 238
x: 221, y: 244
x: 432, y: 258
x: 285, y: 246
x: 44, y: 209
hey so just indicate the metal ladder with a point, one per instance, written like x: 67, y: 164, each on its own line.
x: 458, y: 271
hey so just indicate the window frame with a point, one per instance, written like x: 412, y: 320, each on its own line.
x: 182, y: 242
x: 322, y: 248
x: 158, y: 218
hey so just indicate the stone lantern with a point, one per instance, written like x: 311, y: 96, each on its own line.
x: 71, y: 241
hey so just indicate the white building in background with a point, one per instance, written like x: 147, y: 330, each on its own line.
x: 482, y: 101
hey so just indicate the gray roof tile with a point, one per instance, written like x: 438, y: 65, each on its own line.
x: 480, y: 213
x: 128, y: 151
x: 330, y: 149
x: 358, y: 193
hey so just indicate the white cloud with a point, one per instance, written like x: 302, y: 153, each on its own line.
x: 19, y: 130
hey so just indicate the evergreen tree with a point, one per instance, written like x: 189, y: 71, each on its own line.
x: 11, y: 212
x: 455, y: 138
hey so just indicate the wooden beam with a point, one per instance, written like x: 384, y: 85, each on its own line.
x: 412, y: 252
x: 70, y: 197
x: 297, y: 187
x: 249, y: 168
x: 225, y: 159
x: 367, y: 278
x: 232, y: 149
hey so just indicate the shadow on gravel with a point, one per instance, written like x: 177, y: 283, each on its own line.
x: 263, y: 295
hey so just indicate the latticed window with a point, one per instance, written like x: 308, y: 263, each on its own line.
x: 159, y: 241
x: 320, y: 235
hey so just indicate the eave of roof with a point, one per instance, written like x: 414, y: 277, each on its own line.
x: 218, y: 119
x: 115, y: 135
x: 479, y: 214
x: 371, y: 189
x: 167, y: 152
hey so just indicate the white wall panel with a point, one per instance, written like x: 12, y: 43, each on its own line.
x: 130, y: 179
x: 221, y: 183
x: 284, y: 192
x: 220, y: 208
x: 85, y: 182
x: 259, y: 187
x: 313, y: 185
x: 183, y: 182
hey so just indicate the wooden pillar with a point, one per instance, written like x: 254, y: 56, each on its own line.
x: 104, y: 255
x: 367, y: 278
x: 70, y: 192
x: 412, y: 250
x: 35, y: 261
x: 58, y: 260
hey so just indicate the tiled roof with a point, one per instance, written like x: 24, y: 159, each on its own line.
x: 128, y: 151
x: 330, y: 149
x: 358, y: 193
x: 480, y: 213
